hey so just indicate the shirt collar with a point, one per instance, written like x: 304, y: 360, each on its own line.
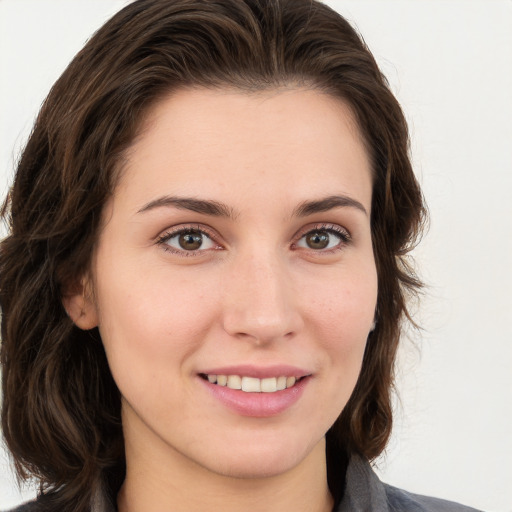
x: 364, y: 492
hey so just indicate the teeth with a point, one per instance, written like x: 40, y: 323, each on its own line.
x: 253, y: 384
x: 290, y: 381
x: 269, y: 385
x: 234, y: 382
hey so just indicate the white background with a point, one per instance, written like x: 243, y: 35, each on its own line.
x: 450, y: 64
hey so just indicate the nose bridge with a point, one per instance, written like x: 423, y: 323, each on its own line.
x: 259, y: 299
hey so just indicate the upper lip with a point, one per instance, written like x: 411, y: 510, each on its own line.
x: 259, y: 372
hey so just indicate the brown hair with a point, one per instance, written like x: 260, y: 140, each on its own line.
x: 61, y: 407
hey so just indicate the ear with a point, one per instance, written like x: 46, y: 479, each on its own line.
x: 80, y: 306
x: 375, y: 317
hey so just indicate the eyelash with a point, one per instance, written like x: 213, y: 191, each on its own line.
x: 163, y: 240
x: 331, y: 229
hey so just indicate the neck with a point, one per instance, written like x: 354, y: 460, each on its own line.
x: 160, y: 480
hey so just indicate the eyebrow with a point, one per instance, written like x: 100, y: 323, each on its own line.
x: 217, y: 209
x: 326, y: 204
x: 206, y: 207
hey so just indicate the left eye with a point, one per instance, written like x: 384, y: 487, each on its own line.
x: 188, y: 240
x: 321, y: 239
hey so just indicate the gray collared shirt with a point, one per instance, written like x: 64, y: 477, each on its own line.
x: 364, y: 492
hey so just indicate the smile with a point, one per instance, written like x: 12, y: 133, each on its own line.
x: 252, y: 384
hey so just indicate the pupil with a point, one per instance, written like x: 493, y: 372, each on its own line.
x: 317, y: 240
x: 190, y: 241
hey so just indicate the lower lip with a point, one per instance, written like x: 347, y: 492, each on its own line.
x: 258, y: 405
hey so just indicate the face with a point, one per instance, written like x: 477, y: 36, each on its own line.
x: 236, y: 252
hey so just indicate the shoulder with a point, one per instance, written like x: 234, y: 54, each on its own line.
x: 364, y: 492
x: 100, y: 502
x: 46, y: 503
x: 403, y: 501
x: 30, y: 506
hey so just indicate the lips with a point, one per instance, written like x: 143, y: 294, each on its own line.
x: 256, y: 392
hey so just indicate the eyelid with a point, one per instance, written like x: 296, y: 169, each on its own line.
x: 340, y: 231
x: 169, y: 233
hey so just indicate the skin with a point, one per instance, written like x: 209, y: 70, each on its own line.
x: 254, y: 293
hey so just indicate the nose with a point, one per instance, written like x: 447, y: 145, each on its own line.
x: 260, y: 302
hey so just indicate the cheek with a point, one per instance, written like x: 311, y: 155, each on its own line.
x: 148, y: 321
x: 345, y: 304
x: 342, y: 316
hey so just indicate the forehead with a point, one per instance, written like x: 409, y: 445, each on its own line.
x: 191, y: 111
x: 203, y: 140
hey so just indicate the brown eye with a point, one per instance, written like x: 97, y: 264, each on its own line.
x: 324, y: 238
x: 190, y: 241
x: 187, y: 241
x: 317, y: 239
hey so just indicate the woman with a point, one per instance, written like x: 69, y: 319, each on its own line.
x: 204, y: 282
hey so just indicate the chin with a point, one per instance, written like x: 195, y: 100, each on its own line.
x: 255, y: 468
x: 256, y: 461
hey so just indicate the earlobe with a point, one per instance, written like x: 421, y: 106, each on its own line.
x: 374, y: 323
x: 80, y: 306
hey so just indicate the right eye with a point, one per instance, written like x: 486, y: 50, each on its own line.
x: 187, y: 241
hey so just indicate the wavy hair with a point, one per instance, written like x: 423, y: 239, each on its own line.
x: 61, y: 407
